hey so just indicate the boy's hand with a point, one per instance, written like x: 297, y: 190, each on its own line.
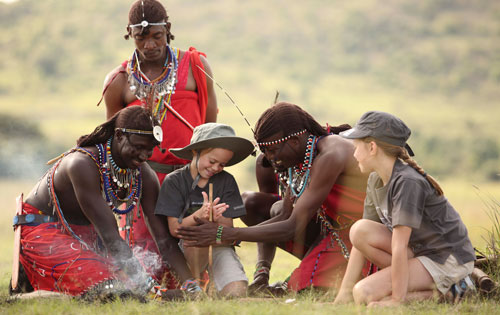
x: 204, y: 211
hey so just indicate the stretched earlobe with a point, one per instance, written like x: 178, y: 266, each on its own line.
x: 118, y: 134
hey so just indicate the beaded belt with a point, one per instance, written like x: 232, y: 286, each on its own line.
x: 33, y: 219
x: 164, y: 168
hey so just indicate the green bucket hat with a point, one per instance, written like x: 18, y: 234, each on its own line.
x: 215, y: 135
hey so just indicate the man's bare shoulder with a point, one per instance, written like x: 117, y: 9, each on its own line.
x: 80, y: 164
x: 335, y: 146
x: 116, y: 77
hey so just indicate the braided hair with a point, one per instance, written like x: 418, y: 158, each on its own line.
x: 150, y: 10
x: 132, y: 117
x: 402, y: 154
x: 288, y: 118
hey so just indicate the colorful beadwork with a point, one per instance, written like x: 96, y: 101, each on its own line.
x: 266, y: 144
x: 218, y: 237
x: 116, y: 179
x: 158, y: 90
x: 298, y: 175
x: 327, y: 228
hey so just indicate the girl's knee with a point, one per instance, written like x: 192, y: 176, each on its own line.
x: 359, y: 231
x: 361, y: 293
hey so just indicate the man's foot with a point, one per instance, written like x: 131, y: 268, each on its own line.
x: 277, y: 289
x: 260, y: 277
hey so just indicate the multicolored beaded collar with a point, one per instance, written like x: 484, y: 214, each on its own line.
x: 269, y: 143
x: 299, y: 178
x: 115, y: 178
x: 158, y: 90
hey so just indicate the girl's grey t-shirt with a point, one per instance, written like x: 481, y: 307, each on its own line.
x: 410, y: 200
x: 176, y: 191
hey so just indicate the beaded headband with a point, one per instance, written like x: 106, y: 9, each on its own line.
x: 157, y: 132
x: 266, y: 144
x: 145, y: 23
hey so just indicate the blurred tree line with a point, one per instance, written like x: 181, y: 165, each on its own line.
x: 442, y: 48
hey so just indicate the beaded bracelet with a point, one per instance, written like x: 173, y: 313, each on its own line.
x: 218, y: 237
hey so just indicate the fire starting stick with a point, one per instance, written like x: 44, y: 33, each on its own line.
x: 210, y: 248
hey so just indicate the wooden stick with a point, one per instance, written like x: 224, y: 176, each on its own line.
x: 210, y: 248
x: 483, y: 281
x: 17, y: 245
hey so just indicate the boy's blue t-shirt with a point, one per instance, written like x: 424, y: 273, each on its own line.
x: 176, y: 192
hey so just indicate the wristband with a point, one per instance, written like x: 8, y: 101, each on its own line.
x: 218, y: 237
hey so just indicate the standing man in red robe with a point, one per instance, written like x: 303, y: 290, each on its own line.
x: 171, y: 82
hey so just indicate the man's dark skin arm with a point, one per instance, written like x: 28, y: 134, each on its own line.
x: 335, y: 155
x: 116, y: 85
x: 84, y: 177
x: 158, y: 226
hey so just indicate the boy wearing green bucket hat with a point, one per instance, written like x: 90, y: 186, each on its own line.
x: 184, y: 200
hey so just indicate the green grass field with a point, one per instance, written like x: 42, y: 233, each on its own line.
x: 464, y: 196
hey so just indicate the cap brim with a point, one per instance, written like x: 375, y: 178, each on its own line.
x: 240, y: 147
x: 354, y: 133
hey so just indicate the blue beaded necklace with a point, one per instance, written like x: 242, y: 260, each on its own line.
x: 111, y: 189
x: 299, y: 183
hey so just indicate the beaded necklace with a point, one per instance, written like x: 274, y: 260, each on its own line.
x: 298, y: 175
x: 158, y: 90
x: 116, y: 179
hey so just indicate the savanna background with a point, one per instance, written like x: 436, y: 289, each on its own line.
x: 434, y: 63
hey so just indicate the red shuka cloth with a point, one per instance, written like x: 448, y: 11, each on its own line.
x: 324, y: 266
x: 55, y: 261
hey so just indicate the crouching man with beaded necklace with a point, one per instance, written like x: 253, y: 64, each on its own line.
x: 70, y: 241
x: 324, y: 196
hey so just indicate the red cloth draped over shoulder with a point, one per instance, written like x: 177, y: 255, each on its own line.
x: 55, y: 261
x: 201, y: 80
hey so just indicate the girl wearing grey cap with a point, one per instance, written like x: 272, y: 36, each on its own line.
x: 409, y: 229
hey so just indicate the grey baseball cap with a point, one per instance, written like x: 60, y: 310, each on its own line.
x: 215, y: 135
x: 382, y: 126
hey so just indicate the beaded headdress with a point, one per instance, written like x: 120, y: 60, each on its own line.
x: 144, y: 22
x: 157, y: 132
x: 285, y: 138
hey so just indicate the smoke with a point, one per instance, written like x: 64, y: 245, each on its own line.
x: 151, y: 261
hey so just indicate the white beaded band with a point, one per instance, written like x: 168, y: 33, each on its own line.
x: 265, y: 144
x: 145, y: 23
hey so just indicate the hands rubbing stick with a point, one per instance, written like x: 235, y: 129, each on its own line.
x: 184, y: 202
